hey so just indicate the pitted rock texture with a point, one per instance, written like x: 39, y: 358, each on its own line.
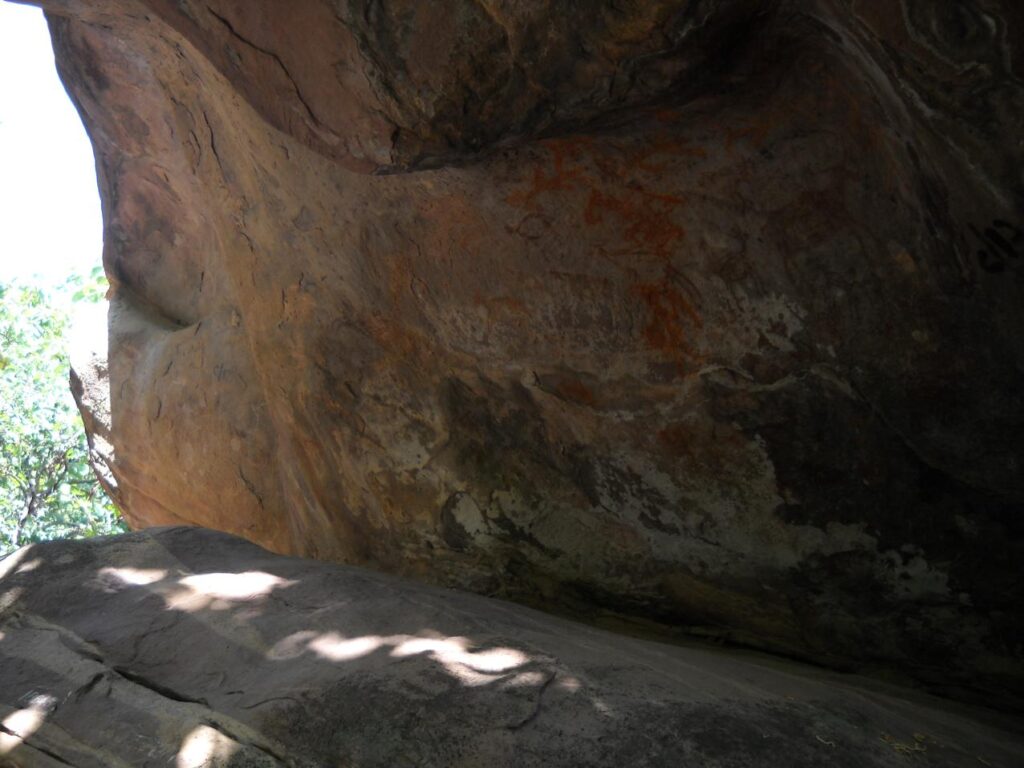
x: 708, y: 314
x: 187, y: 647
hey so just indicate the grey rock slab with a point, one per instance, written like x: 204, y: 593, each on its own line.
x: 187, y: 647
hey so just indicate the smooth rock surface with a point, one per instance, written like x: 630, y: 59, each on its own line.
x: 707, y: 313
x: 186, y: 647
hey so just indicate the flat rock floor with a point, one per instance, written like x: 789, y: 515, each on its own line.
x: 185, y: 647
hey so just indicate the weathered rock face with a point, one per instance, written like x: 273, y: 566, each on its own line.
x: 709, y: 313
x: 191, y: 648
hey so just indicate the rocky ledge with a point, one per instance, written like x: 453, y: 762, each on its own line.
x: 186, y: 647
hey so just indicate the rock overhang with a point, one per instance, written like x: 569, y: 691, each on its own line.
x: 712, y: 323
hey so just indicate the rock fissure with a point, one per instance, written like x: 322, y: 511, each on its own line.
x: 213, y: 142
x: 537, y: 706
x: 158, y: 688
x: 277, y: 60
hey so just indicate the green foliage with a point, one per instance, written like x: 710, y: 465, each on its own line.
x: 47, y: 489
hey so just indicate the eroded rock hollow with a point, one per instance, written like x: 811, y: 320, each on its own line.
x: 706, y: 313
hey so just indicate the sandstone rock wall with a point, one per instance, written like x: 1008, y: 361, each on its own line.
x: 702, y: 313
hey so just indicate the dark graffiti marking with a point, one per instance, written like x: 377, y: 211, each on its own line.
x: 1000, y: 241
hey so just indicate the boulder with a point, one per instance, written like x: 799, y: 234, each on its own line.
x: 192, y: 648
x: 708, y: 314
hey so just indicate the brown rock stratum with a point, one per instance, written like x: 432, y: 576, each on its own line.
x: 706, y: 313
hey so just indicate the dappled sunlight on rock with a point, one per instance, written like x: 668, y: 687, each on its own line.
x: 570, y: 684
x: 602, y: 707
x: 453, y: 655
x: 10, y: 563
x: 293, y: 646
x: 234, y: 586
x: 135, y: 577
x: 220, y: 591
x: 336, y: 648
x: 18, y: 726
x: 204, y: 747
x: 525, y: 680
x: 198, y: 592
x: 31, y: 565
x: 8, y: 598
